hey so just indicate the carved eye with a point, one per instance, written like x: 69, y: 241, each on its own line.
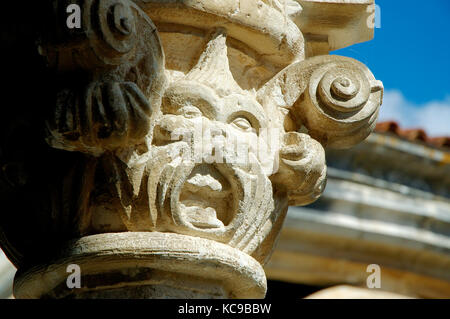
x: 189, y: 112
x: 242, y: 124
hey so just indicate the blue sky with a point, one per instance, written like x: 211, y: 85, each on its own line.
x: 411, y: 55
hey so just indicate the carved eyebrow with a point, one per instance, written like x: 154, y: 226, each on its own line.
x: 190, y: 95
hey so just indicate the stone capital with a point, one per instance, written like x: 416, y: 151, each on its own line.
x: 182, y: 131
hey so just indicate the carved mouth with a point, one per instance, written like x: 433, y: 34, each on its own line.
x: 206, y: 199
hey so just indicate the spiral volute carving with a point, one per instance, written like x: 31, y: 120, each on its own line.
x: 343, y: 99
x: 111, y: 29
x: 344, y: 91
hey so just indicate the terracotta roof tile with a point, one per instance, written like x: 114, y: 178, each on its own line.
x: 412, y: 134
x: 387, y: 127
x: 440, y: 141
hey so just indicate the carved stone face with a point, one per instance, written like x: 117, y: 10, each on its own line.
x: 219, y: 191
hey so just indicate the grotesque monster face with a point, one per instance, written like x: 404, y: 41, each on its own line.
x: 213, y: 184
x: 216, y: 171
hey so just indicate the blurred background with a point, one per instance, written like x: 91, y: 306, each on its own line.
x: 410, y: 53
x: 387, y: 201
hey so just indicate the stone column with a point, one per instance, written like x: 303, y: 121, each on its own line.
x: 180, y: 133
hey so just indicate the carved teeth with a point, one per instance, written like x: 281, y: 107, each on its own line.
x: 202, y: 217
x: 205, y: 180
x: 206, y: 200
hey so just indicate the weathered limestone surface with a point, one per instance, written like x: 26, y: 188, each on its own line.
x: 178, y: 133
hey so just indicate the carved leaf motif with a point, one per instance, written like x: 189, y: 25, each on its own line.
x: 111, y: 115
x: 119, y: 79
